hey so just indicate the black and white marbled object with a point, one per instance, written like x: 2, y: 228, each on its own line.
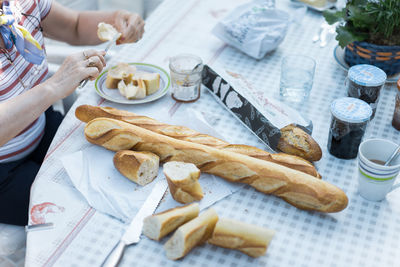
x: 241, y: 108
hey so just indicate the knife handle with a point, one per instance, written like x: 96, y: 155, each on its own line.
x: 115, y: 255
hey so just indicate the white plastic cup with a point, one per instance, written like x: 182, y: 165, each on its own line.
x: 375, y: 181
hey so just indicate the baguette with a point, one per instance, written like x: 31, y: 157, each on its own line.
x: 249, y: 239
x: 87, y: 113
x: 191, y: 234
x: 139, y: 167
x: 159, y: 225
x: 183, y: 181
x: 295, y: 187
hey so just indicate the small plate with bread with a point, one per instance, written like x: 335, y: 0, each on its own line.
x: 133, y: 83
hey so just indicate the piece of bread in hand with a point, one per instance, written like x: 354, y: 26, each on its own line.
x: 191, y: 234
x: 297, y: 142
x: 159, y: 225
x: 139, y: 167
x: 106, y: 32
x: 151, y: 80
x: 247, y: 238
x: 183, y: 181
x: 118, y: 73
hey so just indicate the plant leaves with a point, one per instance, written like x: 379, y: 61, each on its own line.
x: 346, y: 36
x: 333, y: 17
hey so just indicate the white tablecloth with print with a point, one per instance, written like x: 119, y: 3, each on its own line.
x: 364, y: 234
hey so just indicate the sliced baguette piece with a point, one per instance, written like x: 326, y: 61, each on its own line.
x: 247, y: 238
x: 159, y: 225
x: 106, y: 32
x: 87, y: 113
x: 118, y: 73
x: 139, y: 167
x: 183, y: 181
x: 191, y: 234
x: 152, y: 81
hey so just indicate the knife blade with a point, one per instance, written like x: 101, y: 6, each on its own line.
x: 110, y: 43
x: 134, y: 230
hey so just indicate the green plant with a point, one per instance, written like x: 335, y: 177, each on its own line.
x: 373, y: 21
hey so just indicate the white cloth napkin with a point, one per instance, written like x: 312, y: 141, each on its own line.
x: 93, y: 174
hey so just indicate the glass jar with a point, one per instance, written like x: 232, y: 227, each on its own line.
x: 365, y: 82
x: 396, y: 113
x: 349, y: 121
x: 186, y: 70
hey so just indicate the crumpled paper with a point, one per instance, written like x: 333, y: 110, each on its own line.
x: 254, y: 28
x: 93, y: 174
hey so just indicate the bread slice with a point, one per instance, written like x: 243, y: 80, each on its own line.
x: 152, y: 82
x: 134, y: 90
x: 119, y: 72
x: 106, y: 32
x: 159, y: 225
x: 247, y: 238
x: 191, y: 234
x: 139, y: 167
x: 183, y: 181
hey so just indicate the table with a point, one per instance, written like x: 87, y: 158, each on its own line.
x: 364, y: 234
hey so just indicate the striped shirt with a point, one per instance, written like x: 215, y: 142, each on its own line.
x: 20, y: 75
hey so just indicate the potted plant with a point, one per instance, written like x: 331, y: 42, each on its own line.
x: 369, y: 30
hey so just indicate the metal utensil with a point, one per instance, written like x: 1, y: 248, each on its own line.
x: 393, y: 156
x: 134, y: 230
x: 110, y: 43
x: 36, y: 227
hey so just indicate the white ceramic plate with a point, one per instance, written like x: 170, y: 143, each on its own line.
x: 338, y: 54
x: 329, y: 5
x: 115, y: 96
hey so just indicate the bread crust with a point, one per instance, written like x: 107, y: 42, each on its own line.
x: 167, y: 221
x: 186, y: 190
x: 129, y: 163
x: 247, y: 238
x: 191, y: 234
x: 295, y: 141
x: 87, y: 113
x: 297, y: 188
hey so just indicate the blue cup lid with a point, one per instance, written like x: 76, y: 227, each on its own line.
x: 350, y: 109
x: 367, y: 75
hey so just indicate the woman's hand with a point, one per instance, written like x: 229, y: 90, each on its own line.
x: 76, y: 68
x: 130, y: 25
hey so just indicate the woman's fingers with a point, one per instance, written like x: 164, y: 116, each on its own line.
x: 130, y: 25
x: 92, y: 73
x: 91, y: 53
x: 94, y: 61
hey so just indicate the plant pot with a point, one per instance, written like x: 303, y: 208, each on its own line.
x: 384, y: 57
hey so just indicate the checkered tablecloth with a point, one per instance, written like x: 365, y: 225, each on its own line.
x: 364, y: 234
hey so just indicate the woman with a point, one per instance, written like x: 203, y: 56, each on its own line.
x: 25, y: 94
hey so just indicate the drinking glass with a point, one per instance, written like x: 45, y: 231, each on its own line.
x: 297, y: 75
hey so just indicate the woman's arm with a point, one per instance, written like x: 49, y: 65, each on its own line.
x: 80, y: 28
x: 18, y: 112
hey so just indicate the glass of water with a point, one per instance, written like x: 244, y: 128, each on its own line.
x: 186, y: 77
x: 297, y: 75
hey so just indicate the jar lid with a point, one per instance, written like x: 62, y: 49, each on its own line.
x: 367, y: 75
x: 350, y: 109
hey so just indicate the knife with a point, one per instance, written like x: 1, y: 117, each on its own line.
x: 110, y: 43
x: 134, y: 230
